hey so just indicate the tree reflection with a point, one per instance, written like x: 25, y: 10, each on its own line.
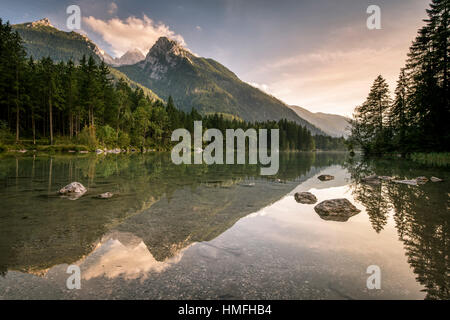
x: 420, y: 214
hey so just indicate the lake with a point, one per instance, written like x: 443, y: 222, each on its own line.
x: 220, y: 231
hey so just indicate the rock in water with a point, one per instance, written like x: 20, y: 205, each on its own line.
x: 325, y: 177
x: 336, y: 210
x: 105, y: 195
x: 73, y: 190
x: 305, y: 198
x: 373, y: 179
x: 409, y: 182
x: 422, y: 180
x: 434, y: 179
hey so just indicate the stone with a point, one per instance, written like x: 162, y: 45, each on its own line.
x: 408, y: 182
x: 325, y: 177
x: 336, y: 210
x: 99, y: 151
x: 305, y: 198
x: 435, y: 179
x: 372, y: 179
x: 105, y: 195
x: 422, y: 180
x: 73, y: 190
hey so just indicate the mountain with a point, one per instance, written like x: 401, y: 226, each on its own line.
x: 204, y: 84
x: 168, y: 69
x: 332, y: 124
x: 41, y: 39
x: 130, y: 57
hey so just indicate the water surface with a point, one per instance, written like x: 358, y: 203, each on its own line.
x: 219, y: 232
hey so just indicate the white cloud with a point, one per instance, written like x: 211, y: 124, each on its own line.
x: 130, y: 33
x: 260, y: 86
x: 198, y: 28
x: 112, y: 8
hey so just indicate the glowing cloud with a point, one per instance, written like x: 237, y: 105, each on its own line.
x: 130, y: 33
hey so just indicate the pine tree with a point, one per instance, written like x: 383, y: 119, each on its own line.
x: 369, y: 126
x: 398, y: 117
x: 427, y: 66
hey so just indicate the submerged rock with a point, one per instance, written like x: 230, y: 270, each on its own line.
x: 408, y: 182
x: 422, y: 180
x: 305, y: 198
x: 325, y: 177
x: 336, y: 210
x: 105, y: 195
x: 434, y: 179
x: 372, y: 179
x: 73, y: 190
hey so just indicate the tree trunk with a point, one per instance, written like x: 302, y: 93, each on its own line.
x: 50, y: 118
x: 17, y: 105
x: 33, y: 127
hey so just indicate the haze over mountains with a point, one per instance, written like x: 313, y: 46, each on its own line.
x: 130, y: 57
x: 332, y: 124
x: 169, y: 69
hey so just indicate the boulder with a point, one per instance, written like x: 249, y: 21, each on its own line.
x: 305, y: 198
x: 336, y: 210
x: 99, y: 151
x: 83, y: 151
x: 325, y: 177
x: 105, y: 195
x: 434, y: 179
x: 385, y: 178
x: 73, y: 190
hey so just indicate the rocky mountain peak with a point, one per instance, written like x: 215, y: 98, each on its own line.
x: 165, y: 54
x: 131, y: 57
x: 43, y: 22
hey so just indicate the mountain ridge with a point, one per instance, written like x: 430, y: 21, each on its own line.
x: 41, y: 39
x: 333, y: 124
x: 168, y: 69
x: 206, y: 85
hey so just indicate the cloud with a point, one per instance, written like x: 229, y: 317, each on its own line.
x: 130, y: 33
x: 260, y: 86
x: 198, y: 28
x: 112, y: 8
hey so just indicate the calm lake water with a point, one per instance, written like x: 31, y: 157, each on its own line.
x: 219, y: 232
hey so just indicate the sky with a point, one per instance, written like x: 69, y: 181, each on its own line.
x: 317, y: 54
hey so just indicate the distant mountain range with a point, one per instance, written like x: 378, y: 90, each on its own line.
x: 169, y: 69
x: 130, y: 57
x: 332, y: 124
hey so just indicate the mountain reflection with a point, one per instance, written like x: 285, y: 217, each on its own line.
x: 421, y: 215
x: 165, y: 205
x: 124, y: 255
